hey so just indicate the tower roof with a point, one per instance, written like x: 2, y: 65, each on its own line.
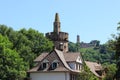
x: 57, y: 18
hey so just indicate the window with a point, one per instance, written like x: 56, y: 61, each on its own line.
x: 44, y: 64
x: 61, y: 46
x: 54, y: 64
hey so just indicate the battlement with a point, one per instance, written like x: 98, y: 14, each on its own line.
x: 62, y: 36
x: 60, y: 39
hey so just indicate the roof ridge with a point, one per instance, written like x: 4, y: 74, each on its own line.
x: 62, y: 58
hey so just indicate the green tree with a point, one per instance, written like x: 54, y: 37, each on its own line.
x: 86, y: 75
x: 110, y: 70
x: 27, y: 44
x: 72, y: 47
x: 12, y: 67
x: 30, y: 43
x: 117, y: 54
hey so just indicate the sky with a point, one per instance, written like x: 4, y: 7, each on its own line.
x: 91, y: 19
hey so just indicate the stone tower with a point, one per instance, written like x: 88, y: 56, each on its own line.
x: 56, y: 24
x: 78, y: 39
x: 78, y: 43
x: 60, y: 39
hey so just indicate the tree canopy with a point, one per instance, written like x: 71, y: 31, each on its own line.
x: 18, y: 49
x: 12, y: 65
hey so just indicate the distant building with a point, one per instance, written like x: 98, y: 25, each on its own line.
x: 59, y: 64
x: 93, y: 43
x: 96, y: 69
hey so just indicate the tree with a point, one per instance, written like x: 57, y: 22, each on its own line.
x: 110, y: 71
x: 72, y: 47
x: 28, y: 43
x: 25, y: 45
x: 86, y: 74
x: 31, y: 43
x: 117, y: 54
x: 12, y: 67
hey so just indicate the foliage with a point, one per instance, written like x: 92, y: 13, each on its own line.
x: 11, y: 65
x: 110, y: 71
x: 24, y: 44
x: 117, y: 54
x: 98, y: 53
x: 86, y: 74
x: 72, y: 47
x: 94, y: 55
x: 103, y: 53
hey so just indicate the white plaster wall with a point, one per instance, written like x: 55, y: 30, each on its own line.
x: 50, y: 76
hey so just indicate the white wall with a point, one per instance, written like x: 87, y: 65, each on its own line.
x: 50, y: 76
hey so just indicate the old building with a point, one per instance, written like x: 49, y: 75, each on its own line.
x: 59, y: 64
x: 59, y: 38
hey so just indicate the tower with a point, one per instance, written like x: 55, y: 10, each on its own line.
x: 78, y: 39
x: 78, y: 43
x: 60, y: 39
x: 56, y: 24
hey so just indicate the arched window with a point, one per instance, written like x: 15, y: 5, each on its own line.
x: 55, y: 64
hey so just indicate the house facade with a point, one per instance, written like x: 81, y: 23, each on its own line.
x: 59, y: 64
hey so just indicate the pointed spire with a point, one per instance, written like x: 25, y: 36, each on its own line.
x: 57, y: 18
x: 57, y: 24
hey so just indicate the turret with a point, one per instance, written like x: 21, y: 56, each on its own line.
x: 56, y: 24
x: 60, y: 39
x: 78, y: 39
x: 78, y: 43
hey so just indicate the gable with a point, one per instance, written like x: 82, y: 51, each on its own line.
x: 56, y: 56
x: 79, y: 59
x: 73, y: 57
x: 54, y: 59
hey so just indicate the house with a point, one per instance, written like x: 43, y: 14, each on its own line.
x: 59, y: 64
x: 96, y: 69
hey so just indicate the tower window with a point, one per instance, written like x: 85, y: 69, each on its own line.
x: 61, y: 46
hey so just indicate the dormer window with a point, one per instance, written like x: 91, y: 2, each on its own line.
x: 44, y: 64
x: 54, y: 64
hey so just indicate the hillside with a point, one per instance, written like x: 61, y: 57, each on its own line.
x: 94, y: 52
